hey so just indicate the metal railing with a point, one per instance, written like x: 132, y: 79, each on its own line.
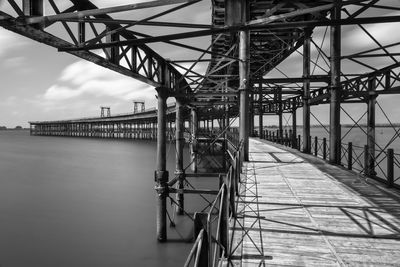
x: 211, y: 247
x: 382, y: 165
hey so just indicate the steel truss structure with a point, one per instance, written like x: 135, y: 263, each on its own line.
x: 250, y: 40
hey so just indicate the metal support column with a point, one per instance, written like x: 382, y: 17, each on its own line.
x: 251, y: 114
x: 194, y: 139
x: 335, y: 90
x: 33, y: 8
x: 260, y: 111
x: 306, y: 93
x: 244, y: 80
x: 280, y: 114
x: 371, y: 128
x: 161, y: 174
x: 179, y: 172
x: 294, y: 129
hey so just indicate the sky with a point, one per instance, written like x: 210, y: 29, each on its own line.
x: 39, y: 83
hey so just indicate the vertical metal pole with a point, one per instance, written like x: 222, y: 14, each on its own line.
x: 280, y: 115
x: 350, y: 156
x: 179, y: 172
x: 306, y: 94
x: 366, y: 157
x: 294, y: 129
x: 161, y: 173
x: 324, y: 148
x: 244, y: 80
x: 336, y: 91
x: 194, y: 140
x: 33, y: 8
x: 260, y: 111
x: 371, y: 128
x: 251, y: 113
x: 224, y: 227
x: 390, y: 165
x: 316, y: 146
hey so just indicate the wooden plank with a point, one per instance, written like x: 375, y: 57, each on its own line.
x: 300, y: 211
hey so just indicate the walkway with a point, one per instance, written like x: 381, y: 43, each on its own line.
x: 300, y: 211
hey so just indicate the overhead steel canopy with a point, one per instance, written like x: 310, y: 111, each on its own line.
x: 277, y: 29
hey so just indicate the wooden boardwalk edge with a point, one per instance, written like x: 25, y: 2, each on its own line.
x: 297, y: 210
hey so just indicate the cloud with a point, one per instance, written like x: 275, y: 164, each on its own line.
x: 57, y: 92
x: 86, y: 80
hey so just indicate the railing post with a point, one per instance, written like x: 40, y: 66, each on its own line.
x: 299, y: 142
x: 350, y: 156
x: 366, y: 157
x: 195, y: 125
x: 316, y: 146
x: 224, y: 226
x: 324, y: 148
x: 231, y: 179
x: 390, y: 166
x: 179, y: 143
x: 200, y: 223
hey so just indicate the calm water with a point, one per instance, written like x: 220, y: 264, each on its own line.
x: 83, y: 202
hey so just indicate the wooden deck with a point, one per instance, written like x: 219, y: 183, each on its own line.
x: 297, y: 210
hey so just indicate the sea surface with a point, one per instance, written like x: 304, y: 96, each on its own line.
x: 67, y: 201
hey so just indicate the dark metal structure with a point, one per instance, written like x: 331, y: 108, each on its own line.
x: 249, y: 41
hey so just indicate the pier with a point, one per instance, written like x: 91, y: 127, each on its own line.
x: 298, y: 210
x: 274, y: 70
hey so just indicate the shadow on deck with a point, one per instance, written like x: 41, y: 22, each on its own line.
x: 298, y: 210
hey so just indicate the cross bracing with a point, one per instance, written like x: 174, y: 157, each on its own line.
x: 243, y: 73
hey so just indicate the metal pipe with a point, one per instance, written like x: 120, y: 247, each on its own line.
x: 244, y: 80
x: 179, y: 128
x: 390, y: 165
x: 294, y: 129
x: 335, y: 90
x: 194, y: 140
x: 260, y: 112
x: 161, y: 174
x: 371, y: 128
x: 306, y: 93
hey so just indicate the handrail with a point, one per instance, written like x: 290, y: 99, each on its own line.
x: 381, y: 164
x: 217, y: 248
